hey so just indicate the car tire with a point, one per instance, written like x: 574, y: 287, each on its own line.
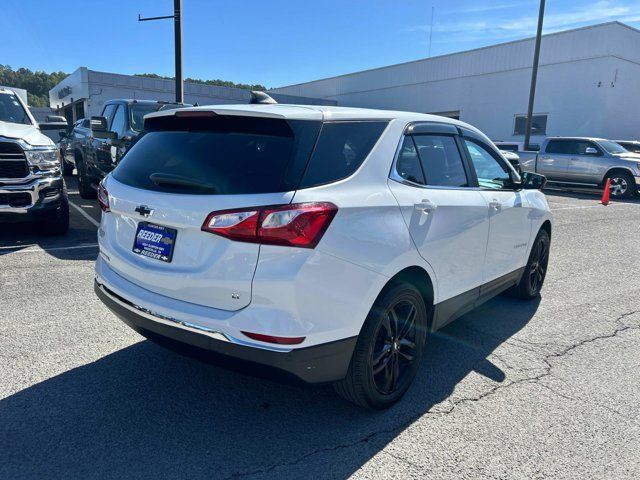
x: 536, y: 269
x: 389, y: 349
x: 84, y: 186
x: 58, y: 224
x: 623, y: 185
x: 67, y: 168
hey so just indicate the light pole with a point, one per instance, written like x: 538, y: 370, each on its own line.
x: 177, y: 29
x: 534, y: 77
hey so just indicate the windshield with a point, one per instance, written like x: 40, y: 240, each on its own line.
x: 11, y: 110
x: 138, y: 111
x: 612, y: 147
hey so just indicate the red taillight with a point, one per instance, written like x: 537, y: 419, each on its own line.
x: 296, y: 225
x: 103, y: 198
x: 272, y: 339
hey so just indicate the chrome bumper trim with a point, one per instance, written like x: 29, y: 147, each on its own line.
x: 32, y: 188
x: 181, y: 324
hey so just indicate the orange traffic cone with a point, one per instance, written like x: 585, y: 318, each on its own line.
x: 607, y: 192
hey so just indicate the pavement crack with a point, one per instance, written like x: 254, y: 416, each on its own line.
x: 547, y: 371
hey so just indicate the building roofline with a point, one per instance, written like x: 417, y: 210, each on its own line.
x: 527, y: 39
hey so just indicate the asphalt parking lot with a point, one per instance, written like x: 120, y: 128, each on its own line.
x: 545, y: 389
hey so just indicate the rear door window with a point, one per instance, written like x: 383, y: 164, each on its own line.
x: 340, y: 150
x: 224, y: 155
x: 441, y: 161
x: 558, y: 147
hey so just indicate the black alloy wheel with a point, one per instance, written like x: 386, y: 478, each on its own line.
x: 536, y: 269
x: 389, y: 349
x: 395, y: 347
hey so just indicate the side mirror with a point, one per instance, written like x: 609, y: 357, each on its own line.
x: 99, y: 128
x: 533, y: 181
x: 590, y: 151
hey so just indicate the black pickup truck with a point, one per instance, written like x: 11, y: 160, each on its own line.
x: 111, y: 134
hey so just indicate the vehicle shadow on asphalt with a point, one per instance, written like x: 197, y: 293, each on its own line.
x: 19, y: 236
x: 145, y: 412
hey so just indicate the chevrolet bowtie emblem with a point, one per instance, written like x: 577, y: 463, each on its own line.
x: 144, y: 210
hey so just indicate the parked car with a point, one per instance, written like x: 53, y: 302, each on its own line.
x: 513, y: 158
x: 70, y: 140
x: 631, y: 145
x: 579, y: 162
x: 111, y: 134
x: 276, y: 234
x: 31, y: 185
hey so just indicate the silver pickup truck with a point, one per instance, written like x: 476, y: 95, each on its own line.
x: 585, y: 162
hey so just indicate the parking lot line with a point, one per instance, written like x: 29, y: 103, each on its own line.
x: 36, y: 249
x: 84, y: 214
x: 577, y: 207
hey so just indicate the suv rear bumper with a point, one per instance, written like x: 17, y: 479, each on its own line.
x: 316, y: 364
x: 41, y: 196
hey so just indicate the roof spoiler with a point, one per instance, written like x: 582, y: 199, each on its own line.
x: 261, y: 98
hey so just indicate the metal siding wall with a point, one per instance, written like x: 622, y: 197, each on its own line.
x: 591, y: 42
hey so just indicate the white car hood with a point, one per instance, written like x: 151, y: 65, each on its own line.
x: 29, y: 133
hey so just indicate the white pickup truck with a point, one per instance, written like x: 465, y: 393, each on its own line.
x: 31, y: 184
x: 583, y: 162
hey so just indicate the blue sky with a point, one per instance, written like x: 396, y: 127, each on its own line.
x: 274, y: 42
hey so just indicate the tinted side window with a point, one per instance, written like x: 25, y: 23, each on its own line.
x: 118, y: 122
x: 557, y: 146
x: 108, y: 112
x: 441, y: 161
x: 340, y: 150
x: 491, y: 174
x: 408, y: 164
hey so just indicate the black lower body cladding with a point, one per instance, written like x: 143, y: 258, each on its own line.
x: 317, y: 364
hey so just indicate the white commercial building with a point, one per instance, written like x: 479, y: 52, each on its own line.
x: 588, y: 85
x: 83, y: 93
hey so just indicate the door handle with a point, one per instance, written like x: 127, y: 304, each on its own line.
x: 426, y: 206
x: 495, y: 205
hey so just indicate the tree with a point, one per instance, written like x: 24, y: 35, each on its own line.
x: 216, y: 82
x: 37, y: 84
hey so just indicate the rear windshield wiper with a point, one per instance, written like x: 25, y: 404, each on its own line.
x: 169, y: 179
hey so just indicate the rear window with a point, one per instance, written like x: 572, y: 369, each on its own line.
x: 222, y: 155
x: 341, y: 149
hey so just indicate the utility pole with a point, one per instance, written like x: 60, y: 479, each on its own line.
x: 534, y: 77
x: 177, y: 29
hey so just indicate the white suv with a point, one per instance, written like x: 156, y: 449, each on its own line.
x: 325, y: 242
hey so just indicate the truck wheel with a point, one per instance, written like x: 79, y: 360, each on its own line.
x: 67, y: 168
x: 622, y: 185
x: 388, y: 351
x: 84, y: 186
x: 58, y: 224
x: 536, y: 269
